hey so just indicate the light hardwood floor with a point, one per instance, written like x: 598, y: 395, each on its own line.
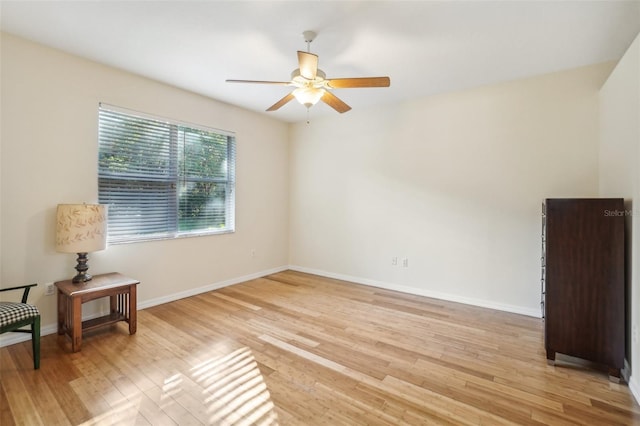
x: 297, y: 349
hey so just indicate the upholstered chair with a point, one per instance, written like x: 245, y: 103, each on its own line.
x: 15, y: 315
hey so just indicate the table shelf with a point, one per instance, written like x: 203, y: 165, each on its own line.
x: 102, y: 321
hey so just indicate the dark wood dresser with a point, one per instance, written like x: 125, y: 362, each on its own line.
x: 583, y: 280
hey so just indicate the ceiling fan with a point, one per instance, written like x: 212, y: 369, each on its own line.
x: 312, y: 85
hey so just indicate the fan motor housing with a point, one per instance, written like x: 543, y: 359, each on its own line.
x: 300, y: 81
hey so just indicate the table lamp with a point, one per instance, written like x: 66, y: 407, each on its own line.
x: 81, y: 228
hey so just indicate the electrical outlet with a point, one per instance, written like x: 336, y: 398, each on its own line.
x: 49, y: 289
x: 394, y: 261
x: 405, y: 262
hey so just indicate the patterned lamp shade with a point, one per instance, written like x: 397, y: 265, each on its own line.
x: 81, y: 228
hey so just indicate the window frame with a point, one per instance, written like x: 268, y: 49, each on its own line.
x: 175, y: 179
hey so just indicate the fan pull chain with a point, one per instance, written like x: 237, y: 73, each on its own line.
x: 308, y: 115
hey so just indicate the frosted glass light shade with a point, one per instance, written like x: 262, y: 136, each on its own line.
x: 308, y: 96
x: 81, y: 228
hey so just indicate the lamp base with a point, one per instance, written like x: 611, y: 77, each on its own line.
x: 82, y: 269
x: 81, y: 278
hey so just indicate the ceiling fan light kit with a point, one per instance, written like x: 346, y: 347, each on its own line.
x: 308, y: 96
x: 311, y: 83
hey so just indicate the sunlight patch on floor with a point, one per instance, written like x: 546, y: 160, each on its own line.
x: 124, y: 413
x: 236, y: 393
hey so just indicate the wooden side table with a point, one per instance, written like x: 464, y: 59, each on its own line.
x: 122, y: 293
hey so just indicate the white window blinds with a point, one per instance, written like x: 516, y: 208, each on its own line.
x: 164, y: 179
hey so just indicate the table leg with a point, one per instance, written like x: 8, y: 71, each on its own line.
x: 113, y: 302
x: 133, y: 310
x: 62, y: 312
x: 76, y: 332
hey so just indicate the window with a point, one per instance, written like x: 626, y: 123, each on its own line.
x: 163, y: 179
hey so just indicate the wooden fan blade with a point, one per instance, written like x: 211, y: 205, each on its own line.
x: 334, y: 102
x: 345, y: 83
x: 281, y: 102
x: 308, y: 64
x: 281, y: 83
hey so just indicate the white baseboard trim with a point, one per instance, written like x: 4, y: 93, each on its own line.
x: 626, y: 371
x: 422, y: 292
x: 13, y: 338
x: 10, y: 339
x: 206, y: 288
x: 634, y: 386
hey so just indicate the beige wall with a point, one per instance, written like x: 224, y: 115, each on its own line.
x: 453, y: 183
x: 49, y: 156
x: 619, y: 177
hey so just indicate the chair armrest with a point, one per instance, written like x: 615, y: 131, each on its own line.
x: 26, y: 288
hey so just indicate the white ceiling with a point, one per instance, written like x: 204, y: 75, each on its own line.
x: 426, y: 47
